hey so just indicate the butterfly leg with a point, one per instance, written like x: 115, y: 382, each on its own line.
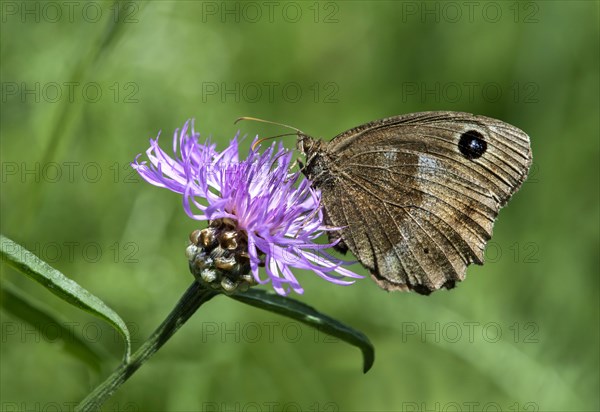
x: 335, y: 236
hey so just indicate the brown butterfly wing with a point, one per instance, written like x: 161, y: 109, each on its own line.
x: 415, y: 209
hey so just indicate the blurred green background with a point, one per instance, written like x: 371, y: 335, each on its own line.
x: 85, y: 85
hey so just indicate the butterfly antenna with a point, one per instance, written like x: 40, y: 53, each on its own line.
x: 269, y: 122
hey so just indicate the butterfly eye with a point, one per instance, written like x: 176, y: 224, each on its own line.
x: 472, y: 145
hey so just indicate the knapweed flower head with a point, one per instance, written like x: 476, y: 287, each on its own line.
x: 260, y: 214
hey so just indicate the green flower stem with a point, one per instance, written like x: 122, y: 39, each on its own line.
x: 193, y: 298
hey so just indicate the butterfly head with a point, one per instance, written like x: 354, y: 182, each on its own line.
x: 304, y: 143
x: 316, y: 168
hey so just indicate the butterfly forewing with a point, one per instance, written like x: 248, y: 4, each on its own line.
x: 417, y: 195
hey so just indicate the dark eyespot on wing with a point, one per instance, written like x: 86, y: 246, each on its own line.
x: 472, y: 144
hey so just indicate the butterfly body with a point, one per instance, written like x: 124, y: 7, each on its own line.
x: 416, y: 196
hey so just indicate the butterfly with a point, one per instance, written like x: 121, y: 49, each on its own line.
x: 415, y: 196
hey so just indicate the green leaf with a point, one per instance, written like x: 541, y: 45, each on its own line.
x: 21, y: 306
x: 29, y: 264
x: 308, y: 315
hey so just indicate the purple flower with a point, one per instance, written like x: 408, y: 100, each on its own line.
x: 277, y: 213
